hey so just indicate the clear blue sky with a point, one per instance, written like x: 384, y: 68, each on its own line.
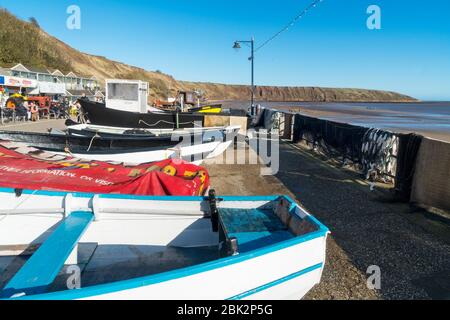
x: 331, y: 46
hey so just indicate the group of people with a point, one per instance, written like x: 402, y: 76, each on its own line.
x: 26, y: 109
x: 29, y: 110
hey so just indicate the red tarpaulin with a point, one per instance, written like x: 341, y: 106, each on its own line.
x: 29, y: 168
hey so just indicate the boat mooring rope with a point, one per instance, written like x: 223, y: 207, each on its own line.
x: 92, y: 140
x: 168, y: 122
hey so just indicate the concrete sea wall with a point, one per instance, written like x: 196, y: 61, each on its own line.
x: 431, y: 183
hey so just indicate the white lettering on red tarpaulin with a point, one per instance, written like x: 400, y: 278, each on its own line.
x: 58, y: 173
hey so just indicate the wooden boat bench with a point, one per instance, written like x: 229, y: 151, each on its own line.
x: 44, y: 265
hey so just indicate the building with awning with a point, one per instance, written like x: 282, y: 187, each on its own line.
x: 9, y: 81
x: 20, y: 76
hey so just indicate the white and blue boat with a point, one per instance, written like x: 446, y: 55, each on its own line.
x: 58, y: 246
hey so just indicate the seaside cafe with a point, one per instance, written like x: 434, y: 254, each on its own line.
x: 17, y: 85
x: 20, y: 79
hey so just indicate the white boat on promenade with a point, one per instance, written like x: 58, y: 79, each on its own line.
x: 133, y: 247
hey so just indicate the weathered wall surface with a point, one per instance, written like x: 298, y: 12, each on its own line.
x: 431, y: 185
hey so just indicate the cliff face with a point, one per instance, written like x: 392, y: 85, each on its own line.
x: 316, y: 94
x: 51, y: 53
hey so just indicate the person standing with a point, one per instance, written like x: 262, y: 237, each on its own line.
x: 34, y: 111
x: 26, y: 107
x: 2, y: 97
x: 83, y: 97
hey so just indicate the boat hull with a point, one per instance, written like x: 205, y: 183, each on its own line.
x: 220, y: 139
x: 98, y: 114
x: 75, y: 144
x: 195, y: 154
x: 117, y: 144
x: 246, y: 280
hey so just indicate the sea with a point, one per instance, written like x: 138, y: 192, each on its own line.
x: 428, y: 118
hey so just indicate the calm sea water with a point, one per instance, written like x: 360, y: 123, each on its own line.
x: 432, y: 117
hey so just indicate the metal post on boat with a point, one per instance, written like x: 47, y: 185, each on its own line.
x: 233, y: 246
x: 214, y: 212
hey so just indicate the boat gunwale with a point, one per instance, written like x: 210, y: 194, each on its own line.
x: 131, y: 152
x: 81, y: 138
x: 96, y: 127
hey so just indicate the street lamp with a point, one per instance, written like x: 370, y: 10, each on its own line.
x: 237, y: 46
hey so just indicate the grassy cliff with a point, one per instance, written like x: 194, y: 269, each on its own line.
x: 24, y: 42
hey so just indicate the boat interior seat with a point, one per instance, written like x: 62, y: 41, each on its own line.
x: 296, y: 225
x: 282, y: 210
x: 243, y: 230
x: 43, y: 266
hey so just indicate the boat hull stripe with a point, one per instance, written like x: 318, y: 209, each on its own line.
x: 276, y: 282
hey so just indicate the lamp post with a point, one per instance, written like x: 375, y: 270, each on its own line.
x: 237, y: 46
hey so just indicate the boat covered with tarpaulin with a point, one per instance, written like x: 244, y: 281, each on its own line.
x: 22, y: 167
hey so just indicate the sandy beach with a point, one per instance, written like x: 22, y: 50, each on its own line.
x: 374, y: 118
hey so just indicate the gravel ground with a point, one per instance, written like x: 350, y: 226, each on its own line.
x: 411, y: 249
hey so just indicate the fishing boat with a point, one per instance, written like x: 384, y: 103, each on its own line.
x: 98, y: 114
x: 210, y: 109
x: 61, y: 142
x: 195, y: 154
x: 215, y: 108
x: 199, y: 144
x: 96, y: 246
